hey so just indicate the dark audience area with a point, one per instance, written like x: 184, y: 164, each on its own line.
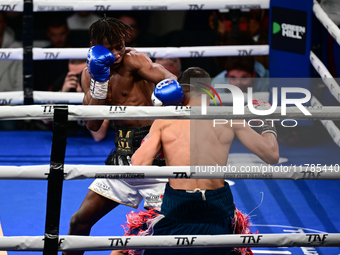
x: 198, y: 28
x: 177, y: 29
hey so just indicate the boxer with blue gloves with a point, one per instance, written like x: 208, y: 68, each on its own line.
x: 120, y: 76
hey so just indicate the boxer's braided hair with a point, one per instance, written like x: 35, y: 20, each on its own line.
x: 112, y: 29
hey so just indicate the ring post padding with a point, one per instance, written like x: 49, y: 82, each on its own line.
x: 290, y: 36
x: 55, y: 180
x: 28, y: 53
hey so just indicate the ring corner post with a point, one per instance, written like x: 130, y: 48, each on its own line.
x: 28, y: 52
x: 290, y: 38
x: 55, y: 180
x: 290, y: 44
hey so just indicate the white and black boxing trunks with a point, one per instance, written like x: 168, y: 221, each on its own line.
x: 130, y: 192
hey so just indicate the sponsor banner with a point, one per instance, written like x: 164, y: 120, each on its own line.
x: 48, y: 97
x: 289, y: 30
x: 120, y: 175
x: 87, y: 112
x: 58, y: 53
x: 210, y: 51
x: 53, y: 7
x: 123, y: 172
x: 11, y: 6
x: 230, y: 171
x: 172, y: 242
x: 42, y: 97
x: 11, y: 53
x: 168, y: 52
x: 313, y: 236
x: 44, y: 5
x: 11, y: 98
x: 127, y: 112
x: 45, y: 112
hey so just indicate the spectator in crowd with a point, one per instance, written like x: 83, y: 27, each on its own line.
x: 173, y: 65
x: 57, y: 32
x: 81, y: 20
x: 11, y: 72
x: 70, y: 82
x: 46, y: 72
x: 228, y: 25
x: 132, y: 41
x: 14, y: 21
x: 78, y: 23
x: 331, y: 7
x: 237, y: 23
x: 242, y: 28
x: 243, y: 72
x: 138, y: 37
x: 258, y: 27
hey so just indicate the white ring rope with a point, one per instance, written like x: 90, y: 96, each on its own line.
x: 234, y: 171
x: 157, y: 52
x: 48, y: 97
x: 91, y: 112
x: 326, y: 76
x: 45, y: 5
x: 89, y: 5
x: 334, y: 88
x: 11, y: 53
x: 332, y: 129
x: 42, y: 97
x: 36, y: 243
x: 142, y: 5
x: 326, y: 21
x: 89, y: 243
x: 12, y: 5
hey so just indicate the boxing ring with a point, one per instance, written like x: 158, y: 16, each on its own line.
x: 298, y: 213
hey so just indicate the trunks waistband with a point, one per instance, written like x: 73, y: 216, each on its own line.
x: 141, y: 128
x: 128, y: 139
x: 191, y: 207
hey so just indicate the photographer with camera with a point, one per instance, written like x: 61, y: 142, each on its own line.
x: 70, y: 81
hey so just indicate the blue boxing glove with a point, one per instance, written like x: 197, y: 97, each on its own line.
x: 99, y: 60
x: 167, y: 92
